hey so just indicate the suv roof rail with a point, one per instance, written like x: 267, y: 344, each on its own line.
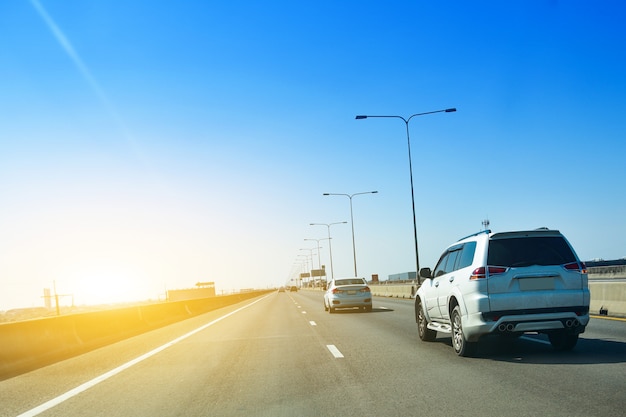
x: 487, y: 231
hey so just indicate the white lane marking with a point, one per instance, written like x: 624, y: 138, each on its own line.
x: 312, y: 323
x: 303, y: 312
x: 89, y: 384
x: 333, y: 349
x: 545, y: 342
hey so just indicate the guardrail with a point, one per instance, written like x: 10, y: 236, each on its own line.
x: 30, y: 344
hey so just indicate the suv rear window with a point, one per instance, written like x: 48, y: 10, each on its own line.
x: 527, y: 251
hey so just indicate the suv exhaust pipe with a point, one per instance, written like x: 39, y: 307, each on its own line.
x: 506, y: 327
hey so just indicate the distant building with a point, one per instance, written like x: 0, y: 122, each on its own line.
x: 602, y: 262
x: 202, y: 290
x: 403, y: 276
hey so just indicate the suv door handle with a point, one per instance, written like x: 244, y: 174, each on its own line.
x: 451, y: 279
x: 437, y: 283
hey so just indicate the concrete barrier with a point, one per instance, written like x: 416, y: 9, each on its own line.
x: 394, y: 290
x: 31, y: 344
x: 607, y: 295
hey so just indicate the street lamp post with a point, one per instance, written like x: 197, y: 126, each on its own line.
x: 309, y: 256
x: 319, y: 262
x: 330, y: 249
x: 352, y: 221
x: 408, y: 140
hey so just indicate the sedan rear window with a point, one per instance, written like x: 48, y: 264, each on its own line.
x: 527, y: 251
x: 349, y: 282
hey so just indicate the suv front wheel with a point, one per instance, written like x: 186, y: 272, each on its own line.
x: 461, y: 346
x: 424, y: 332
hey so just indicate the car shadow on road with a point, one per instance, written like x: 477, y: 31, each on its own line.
x: 536, y: 349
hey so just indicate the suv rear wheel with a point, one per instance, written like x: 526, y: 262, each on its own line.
x: 461, y: 346
x: 424, y: 332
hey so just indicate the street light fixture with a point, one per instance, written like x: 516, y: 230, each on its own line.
x: 310, y: 256
x: 406, y: 122
x: 330, y: 249
x: 319, y: 262
x: 352, y: 221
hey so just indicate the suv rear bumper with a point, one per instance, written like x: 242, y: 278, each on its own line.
x: 476, y: 325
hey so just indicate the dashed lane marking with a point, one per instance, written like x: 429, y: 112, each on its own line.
x: 532, y: 339
x: 335, y: 352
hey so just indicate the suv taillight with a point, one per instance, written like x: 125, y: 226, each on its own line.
x: 574, y: 266
x: 482, y: 272
x: 366, y: 289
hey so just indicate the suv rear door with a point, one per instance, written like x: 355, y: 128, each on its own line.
x: 533, y: 270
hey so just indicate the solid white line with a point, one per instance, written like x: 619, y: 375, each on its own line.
x: 89, y: 384
x: 333, y: 349
x: 312, y: 323
x: 303, y: 312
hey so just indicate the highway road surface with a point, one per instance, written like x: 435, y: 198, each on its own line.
x: 282, y: 355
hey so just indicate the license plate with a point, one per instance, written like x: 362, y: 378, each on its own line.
x: 536, y: 284
x: 351, y: 292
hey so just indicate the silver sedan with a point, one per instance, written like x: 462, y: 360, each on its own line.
x: 347, y: 293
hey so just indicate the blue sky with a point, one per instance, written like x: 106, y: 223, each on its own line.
x: 149, y: 145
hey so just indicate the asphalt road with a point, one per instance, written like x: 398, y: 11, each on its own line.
x: 282, y: 355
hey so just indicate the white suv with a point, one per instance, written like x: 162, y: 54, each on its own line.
x: 505, y: 284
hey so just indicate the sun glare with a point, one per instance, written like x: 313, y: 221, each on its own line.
x: 107, y: 287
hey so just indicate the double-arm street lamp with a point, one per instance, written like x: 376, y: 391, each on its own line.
x: 352, y: 221
x: 408, y: 140
x: 330, y: 249
x: 309, y: 256
x: 319, y: 262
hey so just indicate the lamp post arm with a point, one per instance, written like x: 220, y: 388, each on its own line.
x: 352, y: 221
x: 408, y: 139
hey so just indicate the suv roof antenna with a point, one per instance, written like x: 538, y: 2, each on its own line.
x: 486, y: 224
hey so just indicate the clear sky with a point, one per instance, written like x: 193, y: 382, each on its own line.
x: 147, y: 145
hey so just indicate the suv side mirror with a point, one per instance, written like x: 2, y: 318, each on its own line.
x: 425, y: 273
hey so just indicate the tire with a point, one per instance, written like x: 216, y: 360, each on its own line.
x: 425, y: 334
x: 563, y: 340
x: 461, y: 346
x: 368, y: 309
x: 331, y: 310
x: 325, y: 307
